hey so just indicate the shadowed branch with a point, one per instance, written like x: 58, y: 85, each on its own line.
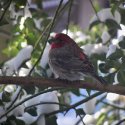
x: 44, y: 82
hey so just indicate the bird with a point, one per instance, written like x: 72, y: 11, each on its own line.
x: 68, y: 61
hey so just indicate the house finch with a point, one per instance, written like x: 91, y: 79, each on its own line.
x: 67, y: 60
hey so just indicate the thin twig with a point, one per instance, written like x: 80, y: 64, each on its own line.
x: 94, y: 9
x: 44, y: 31
x: 59, y: 83
x: 81, y: 119
x: 47, y: 27
x: 44, y: 103
x: 2, y: 16
x: 51, y: 27
x: 114, y: 106
x: 26, y: 99
x: 69, y: 15
x: 76, y: 104
x: 106, y: 103
x: 121, y: 121
x: 14, y: 100
x: 101, y: 99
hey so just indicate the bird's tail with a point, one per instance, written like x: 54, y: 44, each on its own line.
x: 100, y: 79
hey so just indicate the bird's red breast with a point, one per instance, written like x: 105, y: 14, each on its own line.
x: 62, y: 39
x: 66, y: 40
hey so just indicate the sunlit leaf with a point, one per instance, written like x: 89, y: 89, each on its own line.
x: 20, y: 2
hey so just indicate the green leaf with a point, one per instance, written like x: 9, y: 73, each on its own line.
x: 80, y: 111
x: 38, y: 14
x: 122, y: 12
x: 115, y: 6
x: 51, y: 120
x: 122, y: 43
x: 113, y: 1
x: 46, y: 21
x: 31, y: 37
x: 112, y: 24
x: 116, y: 55
x: 9, y: 120
x: 101, y: 119
x: 41, y: 72
x: 29, y: 23
x: 88, y: 91
x: 3, y: 21
x: 103, y: 68
x: 94, y: 23
x: 20, y: 2
x: 20, y: 122
x: 12, y: 119
x: 2, y: 88
x: 15, y: 28
x: 123, y: 61
x: 113, y: 32
x: 30, y: 89
x: 98, y: 40
x: 121, y: 77
x: 6, y: 97
x: 110, y: 78
x: 99, y: 57
x: 32, y: 111
x: 76, y: 92
x: 1, y: 103
x: 12, y: 51
x: 2, y: 63
x: 112, y: 64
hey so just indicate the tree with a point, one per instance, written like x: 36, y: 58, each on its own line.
x: 29, y: 100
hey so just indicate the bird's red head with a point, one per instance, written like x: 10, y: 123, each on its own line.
x: 60, y: 40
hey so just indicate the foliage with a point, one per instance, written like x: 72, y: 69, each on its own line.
x: 31, y: 27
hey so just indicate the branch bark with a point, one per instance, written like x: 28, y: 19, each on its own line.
x: 44, y: 82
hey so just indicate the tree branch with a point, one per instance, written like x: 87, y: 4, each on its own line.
x: 14, y: 100
x: 69, y: 15
x: 76, y: 104
x: 120, y: 122
x: 44, y: 82
x: 26, y: 99
x: 5, y: 10
x: 94, y: 9
x: 44, y: 103
x: 106, y: 103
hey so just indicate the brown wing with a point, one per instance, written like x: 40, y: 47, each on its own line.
x: 71, y: 59
x: 78, y: 52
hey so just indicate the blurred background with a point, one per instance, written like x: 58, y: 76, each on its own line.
x: 97, y: 26
x: 81, y: 13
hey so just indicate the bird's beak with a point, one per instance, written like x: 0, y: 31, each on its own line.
x: 52, y: 40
